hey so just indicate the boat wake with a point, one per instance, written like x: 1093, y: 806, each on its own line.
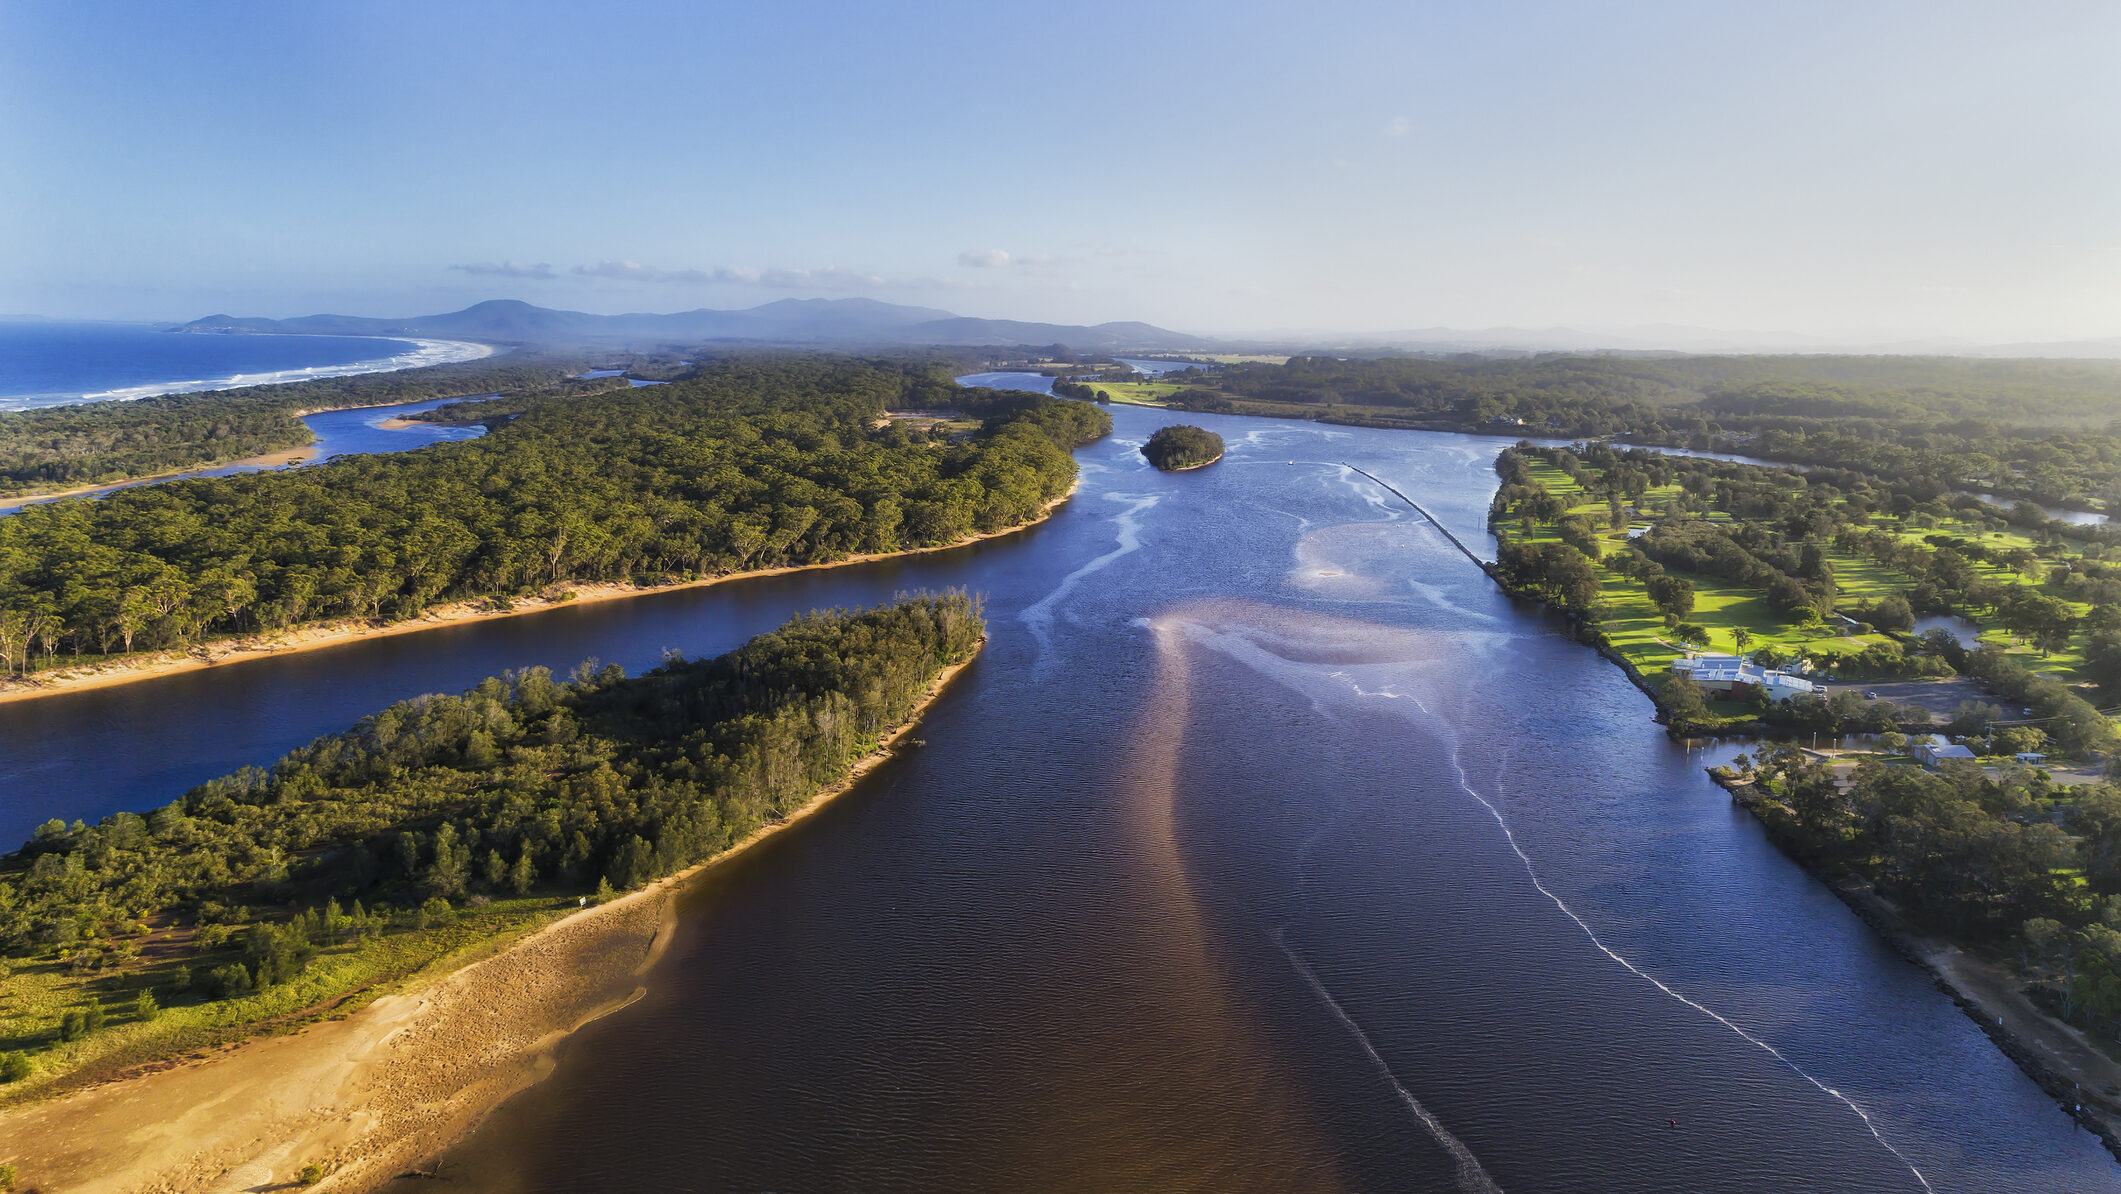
x: 1472, y: 1176
x: 1532, y: 873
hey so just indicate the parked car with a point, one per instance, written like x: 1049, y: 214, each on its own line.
x: 1870, y: 696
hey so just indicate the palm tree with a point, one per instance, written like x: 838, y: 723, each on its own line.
x: 1741, y: 638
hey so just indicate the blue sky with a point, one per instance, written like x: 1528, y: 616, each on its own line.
x: 1838, y: 170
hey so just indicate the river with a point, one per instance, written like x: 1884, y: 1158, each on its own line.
x: 1266, y: 847
x: 354, y: 431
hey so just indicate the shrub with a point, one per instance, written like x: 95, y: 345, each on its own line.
x: 276, y: 953
x: 231, y: 981
x: 14, y: 1067
x: 144, y: 1006
x: 311, y: 1174
x: 436, y: 911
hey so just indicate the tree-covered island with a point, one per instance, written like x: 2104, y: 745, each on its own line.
x: 277, y: 896
x: 1182, y: 446
x: 751, y: 463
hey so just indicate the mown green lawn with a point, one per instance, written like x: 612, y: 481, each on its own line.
x: 1638, y: 630
x: 1138, y: 393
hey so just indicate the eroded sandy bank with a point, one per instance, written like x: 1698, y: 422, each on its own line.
x: 147, y: 666
x: 370, y: 1096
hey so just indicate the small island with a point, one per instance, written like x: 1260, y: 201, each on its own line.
x: 1181, y: 446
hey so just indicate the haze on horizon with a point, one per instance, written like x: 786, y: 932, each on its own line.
x: 1879, y: 172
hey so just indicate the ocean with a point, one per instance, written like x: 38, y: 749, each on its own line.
x: 53, y: 364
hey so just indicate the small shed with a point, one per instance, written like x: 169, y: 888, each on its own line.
x: 2033, y: 757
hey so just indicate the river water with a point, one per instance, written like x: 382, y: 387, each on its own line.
x: 356, y: 431
x: 1266, y: 847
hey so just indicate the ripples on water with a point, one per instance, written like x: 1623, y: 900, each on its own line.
x: 1267, y: 847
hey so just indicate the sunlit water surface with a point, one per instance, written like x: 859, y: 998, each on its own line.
x: 1266, y: 847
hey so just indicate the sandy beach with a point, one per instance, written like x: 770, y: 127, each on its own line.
x: 264, y: 460
x: 380, y: 1092
x: 148, y: 665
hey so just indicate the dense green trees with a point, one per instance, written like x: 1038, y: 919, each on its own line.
x: 752, y: 463
x: 1555, y: 572
x: 1974, y: 855
x: 66, y: 447
x: 2043, y: 430
x: 521, y: 783
x: 1182, y: 446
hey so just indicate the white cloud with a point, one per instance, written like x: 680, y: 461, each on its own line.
x: 1398, y: 126
x: 509, y: 269
x: 634, y: 271
x: 831, y: 277
x: 985, y: 258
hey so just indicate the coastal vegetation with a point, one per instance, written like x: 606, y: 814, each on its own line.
x: 2038, y: 430
x: 56, y: 448
x: 1182, y: 446
x: 437, y: 826
x: 2027, y: 871
x: 1657, y: 555
x: 751, y: 463
x: 1127, y: 393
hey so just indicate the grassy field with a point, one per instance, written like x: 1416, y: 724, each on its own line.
x: 2063, y: 664
x: 1139, y: 393
x: 35, y: 993
x: 1639, y: 633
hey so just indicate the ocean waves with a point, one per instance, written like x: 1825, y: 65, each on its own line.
x: 395, y: 353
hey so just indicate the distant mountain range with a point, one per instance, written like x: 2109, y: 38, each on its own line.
x: 841, y: 322
x: 869, y: 323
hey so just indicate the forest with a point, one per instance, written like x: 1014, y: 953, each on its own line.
x: 523, y: 787
x: 1182, y: 446
x: 2009, y: 859
x: 2044, y: 431
x: 67, y: 447
x: 753, y: 462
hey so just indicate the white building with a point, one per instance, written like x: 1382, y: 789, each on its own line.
x: 1735, y: 676
x: 1934, y: 750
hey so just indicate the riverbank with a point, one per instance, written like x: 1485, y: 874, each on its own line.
x: 1187, y: 468
x: 316, y: 636
x: 373, y: 1095
x: 2081, y: 1077
x: 296, y: 454
x: 301, y: 454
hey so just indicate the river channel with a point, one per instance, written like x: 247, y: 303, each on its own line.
x: 1266, y: 847
x: 355, y: 431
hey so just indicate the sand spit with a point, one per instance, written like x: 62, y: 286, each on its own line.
x: 375, y: 1094
x: 147, y: 666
